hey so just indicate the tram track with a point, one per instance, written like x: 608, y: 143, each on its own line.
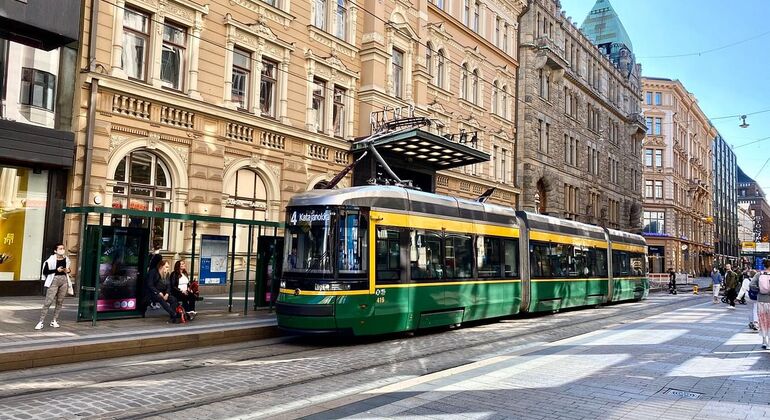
x: 608, y: 322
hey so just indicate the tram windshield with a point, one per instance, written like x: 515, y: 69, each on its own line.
x: 326, y: 249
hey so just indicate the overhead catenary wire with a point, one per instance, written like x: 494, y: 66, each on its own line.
x: 710, y: 50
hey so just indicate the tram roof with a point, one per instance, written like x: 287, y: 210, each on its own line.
x: 625, y: 237
x: 554, y: 224
x: 398, y: 198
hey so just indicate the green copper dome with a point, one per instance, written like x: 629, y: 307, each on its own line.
x: 602, y: 25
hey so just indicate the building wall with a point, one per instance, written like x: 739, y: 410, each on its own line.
x: 682, y: 133
x: 726, y: 243
x: 752, y: 197
x: 745, y: 224
x: 460, y: 49
x: 202, y: 135
x: 564, y: 81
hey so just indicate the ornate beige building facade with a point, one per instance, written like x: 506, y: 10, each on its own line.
x: 228, y: 108
x: 579, y: 122
x: 677, y: 158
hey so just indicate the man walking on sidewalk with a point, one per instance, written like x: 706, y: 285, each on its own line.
x: 716, y: 282
x: 731, y: 283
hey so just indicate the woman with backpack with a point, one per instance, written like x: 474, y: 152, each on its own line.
x: 762, y: 282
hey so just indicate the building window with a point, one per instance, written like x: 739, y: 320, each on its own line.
x: 648, y: 157
x: 498, y: 28
x: 476, y: 17
x: 504, y: 110
x: 658, y: 189
x: 495, y: 97
x: 570, y: 150
x: 570, y: 201
x: 476, y: 88
x: 464, y: 82
x: 136, y: 39
x: 439, y: 3
x: 38, y: 88
x: 658, y: 98
x: 648, y: 98
x: 338, y: 112
x: 613, y: 170
x: 648, y: 122
x: 319, y: 92
x: 545, y: 80
x: 658, y: 124
x: 320, y: 14
x: 173, y: 56
x: 654, y: 222
x: 143, y: 182
x: 593, y: 160
x: 659, y: 158
x: 397, y: 60
x: 341, y: 23
x: 267, y: 85
x: 543, y: 133
x: 241, y: 78
x: 429, y: 62
x: 466, y: 12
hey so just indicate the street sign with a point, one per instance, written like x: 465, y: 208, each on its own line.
x: 763, y: 247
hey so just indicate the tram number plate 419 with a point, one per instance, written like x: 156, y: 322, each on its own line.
x: 380, y: 293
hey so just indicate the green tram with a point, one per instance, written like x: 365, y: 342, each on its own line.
x: 381, y: 259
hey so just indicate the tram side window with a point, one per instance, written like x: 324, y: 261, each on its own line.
x: 388, y: 255
x: 621, y: 264
x: 580, y: 262
x: 598, y: 258
x: 425, y: 255
x: 488, y: 254
x: 352, y: 239
x: 510, y: 258
x: 458, y: 256
x: 638, y: 265
x: 544, y: 260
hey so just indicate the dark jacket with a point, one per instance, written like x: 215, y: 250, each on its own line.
x: 173, y: 285
x: 154, y: 283
x: 731, y: 279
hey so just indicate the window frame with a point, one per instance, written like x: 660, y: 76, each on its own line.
x: 48, y: 89
x: 274, y: 80
x: 146, y: 36
x: 182, y: 53
x: 319, y: 104
x: 247, y: 72
x: 397, y: 69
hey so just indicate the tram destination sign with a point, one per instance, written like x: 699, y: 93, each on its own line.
x: 311, y: 217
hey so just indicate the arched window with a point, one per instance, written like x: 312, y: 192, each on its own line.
x: 143, y: 182
x: 440, y: 68
x: 495, y: 106
x: 246, y: 199
x: 464, y: 82
x: 476, y: 87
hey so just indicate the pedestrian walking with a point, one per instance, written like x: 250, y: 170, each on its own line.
x: 731, y: 285
x: 56, y: 271
x: 716, y: 282
x: 744, y: 290
x: 762, y: 283
x: 753, y: 291
x: 671, y: 281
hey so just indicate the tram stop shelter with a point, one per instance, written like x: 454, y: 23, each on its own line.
x: 416, y: 155
x: 113, y: 260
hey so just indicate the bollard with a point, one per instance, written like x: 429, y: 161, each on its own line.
x: 695, y: 289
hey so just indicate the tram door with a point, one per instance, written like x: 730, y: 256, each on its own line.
x: 269, y: 269
x: 393, y: 304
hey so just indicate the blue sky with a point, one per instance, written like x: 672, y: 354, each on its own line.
x: 734, y: 80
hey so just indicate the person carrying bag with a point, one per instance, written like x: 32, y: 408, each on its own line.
x: 55, y: 271
x: 761, y: 282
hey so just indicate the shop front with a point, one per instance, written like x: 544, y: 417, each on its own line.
x: 34, y: 163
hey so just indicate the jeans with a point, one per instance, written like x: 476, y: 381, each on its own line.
x: 168, y: 306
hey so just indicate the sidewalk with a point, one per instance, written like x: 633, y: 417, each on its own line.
x: 22, y: 347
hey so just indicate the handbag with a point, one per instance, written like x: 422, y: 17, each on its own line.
x: 70, y: 289
x: 753, y: 294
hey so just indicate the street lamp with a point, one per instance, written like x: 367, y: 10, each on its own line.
x: 744, y: 124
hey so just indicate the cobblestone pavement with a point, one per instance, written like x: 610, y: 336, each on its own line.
x: 698, y: 362
x: 294, y: 377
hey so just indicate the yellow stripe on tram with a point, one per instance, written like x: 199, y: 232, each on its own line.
x: 445, y: 283
x: 569, y: 279
x: 435, y: 223
x: 630, y: 248
x: 538, y: 235
x: 327, y: 292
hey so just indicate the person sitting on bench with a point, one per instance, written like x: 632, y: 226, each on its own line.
x: 158, y: 289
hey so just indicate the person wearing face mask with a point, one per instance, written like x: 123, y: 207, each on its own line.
x: 157, y: 287
x: 56, y: 270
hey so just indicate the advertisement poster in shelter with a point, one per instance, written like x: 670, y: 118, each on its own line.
x: 214, y: 259
x: 120, y: 269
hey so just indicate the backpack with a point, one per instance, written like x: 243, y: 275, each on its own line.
x: 764, y: 283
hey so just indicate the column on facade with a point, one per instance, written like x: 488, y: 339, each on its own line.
x: 483, y: 20
x: 283, y: 85
x: 192, y: 89
x: 228, y: 94
x: 117, y: 39
x: 156, y: 48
